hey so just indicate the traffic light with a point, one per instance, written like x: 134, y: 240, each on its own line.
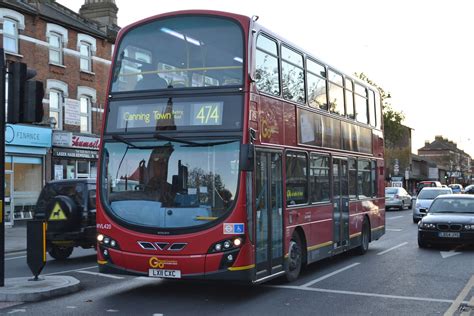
x: 25, y: 97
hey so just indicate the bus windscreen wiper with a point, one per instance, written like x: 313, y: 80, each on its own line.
x: 209, y: 144
x: 173, y: 139
x: 190, y: 143
x: 123, y: 140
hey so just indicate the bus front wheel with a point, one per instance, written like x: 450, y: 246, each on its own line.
x: 295, y: 258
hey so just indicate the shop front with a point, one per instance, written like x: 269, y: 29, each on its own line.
x: 74, y: 156
x: 25, y: 160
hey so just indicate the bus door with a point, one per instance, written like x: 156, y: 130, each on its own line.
x: 340, y: 202
x: 268, y: 213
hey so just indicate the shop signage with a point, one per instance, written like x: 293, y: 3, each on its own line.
x: 67, y: 139
x: 75, y: 153
x: 72, y: 112
x: 62, y: 139
x: 24, y: 135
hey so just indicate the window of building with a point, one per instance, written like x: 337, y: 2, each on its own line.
x: 86, y: 104
x: 319, y: 185
x: 86, y: 56
x: 10, y: 35
x: 292, y: 74
x: 55, y: 48
x: 316, y: 85
x: 296, y: 178
x: 55, y: 107
x: 267, y: 72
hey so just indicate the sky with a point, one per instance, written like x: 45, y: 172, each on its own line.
x: 421, y: 52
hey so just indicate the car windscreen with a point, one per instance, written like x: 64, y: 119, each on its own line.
x: 454, y: 205
x: 431, y: 194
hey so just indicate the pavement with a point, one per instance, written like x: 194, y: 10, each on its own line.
x: 26, y: 289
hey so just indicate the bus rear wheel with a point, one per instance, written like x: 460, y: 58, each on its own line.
x: 365, y: 238
x: 295, y: 258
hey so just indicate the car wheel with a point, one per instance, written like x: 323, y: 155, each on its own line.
x: 295, y: 258
x: 60, y: 253
x: 421, y: 242
x: 415, y: 220
x: 365, y: 238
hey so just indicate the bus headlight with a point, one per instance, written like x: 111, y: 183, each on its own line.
x: 226, y: 245
x: 107, y: 242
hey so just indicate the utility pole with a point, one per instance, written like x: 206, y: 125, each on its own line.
x: 2, y: 167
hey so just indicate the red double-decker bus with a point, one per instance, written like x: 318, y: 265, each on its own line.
x: 229, y: 153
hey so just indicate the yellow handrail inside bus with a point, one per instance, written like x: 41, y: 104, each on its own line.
x: 179, y: 70
x: 205, y: 218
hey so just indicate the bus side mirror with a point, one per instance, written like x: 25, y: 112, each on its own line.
x: 247, y: 154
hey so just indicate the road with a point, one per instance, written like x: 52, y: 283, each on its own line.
x: 395, y: 277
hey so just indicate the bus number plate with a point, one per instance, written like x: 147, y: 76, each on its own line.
x: 162, y: 273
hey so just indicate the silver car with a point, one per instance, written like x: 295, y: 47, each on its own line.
x: 397, y: 197
x: 424, y: 200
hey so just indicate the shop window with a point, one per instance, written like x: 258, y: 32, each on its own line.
x: 27, y: 184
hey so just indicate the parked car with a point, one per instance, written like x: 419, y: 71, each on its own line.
x: 457, y: 188
x: 397, y: 197
x: 427, y: 183
x: 69, y: 208
x: 424, y: 200
x: 450, y: 220
x: 469, y: 189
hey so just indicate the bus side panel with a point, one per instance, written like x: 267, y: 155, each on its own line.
x: 321, y: 226
x: 270, y: 114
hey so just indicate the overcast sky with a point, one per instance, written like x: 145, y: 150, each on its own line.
x: 422, y: 52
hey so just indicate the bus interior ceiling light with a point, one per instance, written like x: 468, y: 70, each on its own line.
x: 239, y: 60
x: 180, y: 36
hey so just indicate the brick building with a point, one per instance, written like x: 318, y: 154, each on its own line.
x: 447, y: 155
x: 71, y: 54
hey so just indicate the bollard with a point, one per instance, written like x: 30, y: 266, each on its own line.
x: 36, y: 246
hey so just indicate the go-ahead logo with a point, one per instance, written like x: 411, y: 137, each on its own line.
x: 154, y: 262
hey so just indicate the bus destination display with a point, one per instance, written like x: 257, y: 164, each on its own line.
x: 170, y: 114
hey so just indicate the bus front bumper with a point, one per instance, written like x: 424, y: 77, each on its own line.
x: 200, y: 267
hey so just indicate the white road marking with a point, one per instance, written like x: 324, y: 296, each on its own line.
x: 112, y: 311
x: 156, y: 314
x: 459, y: 300
x: 13, y: 258
x: 71, y: 307
x: 425, y: 299
x: 394, y: 229
x: 74, y: 270
x: 102, y: 274
x: 395, y: 217
x: 329, y: 275
x: 447, y: 254
x: 394, y: 247
x: 17, y: 311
